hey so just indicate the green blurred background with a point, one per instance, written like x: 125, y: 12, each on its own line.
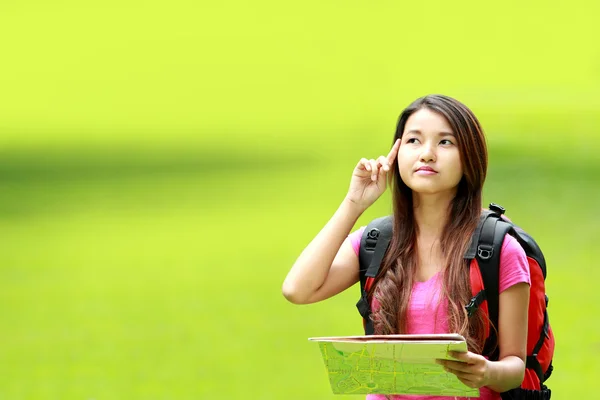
x: 162, y: 164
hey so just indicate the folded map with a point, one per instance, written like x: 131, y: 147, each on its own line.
x: 392, y: 364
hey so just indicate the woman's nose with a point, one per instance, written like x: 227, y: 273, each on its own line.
x: 428, y: 153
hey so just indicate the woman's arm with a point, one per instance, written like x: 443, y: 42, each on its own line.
x: 328, y: 265
x: 513, y: 307
x: 507, y: 373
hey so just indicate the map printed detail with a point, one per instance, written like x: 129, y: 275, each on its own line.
x: 394, y: 364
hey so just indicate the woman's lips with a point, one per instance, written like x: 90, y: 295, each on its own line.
x: 426, y: 171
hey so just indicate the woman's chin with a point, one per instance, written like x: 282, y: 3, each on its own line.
x: 430, y: 190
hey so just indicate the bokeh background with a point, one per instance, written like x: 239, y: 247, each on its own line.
x: 162, y: 165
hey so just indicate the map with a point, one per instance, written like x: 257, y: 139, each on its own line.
x: 392, y: 364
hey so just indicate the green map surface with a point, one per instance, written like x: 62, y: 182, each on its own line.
x: 392, y: 368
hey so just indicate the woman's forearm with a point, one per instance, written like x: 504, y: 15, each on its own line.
x: 506, y: 374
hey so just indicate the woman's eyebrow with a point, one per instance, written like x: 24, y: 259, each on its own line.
x: 442, y: 133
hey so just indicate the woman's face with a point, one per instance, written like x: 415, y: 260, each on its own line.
x: 428, y: 159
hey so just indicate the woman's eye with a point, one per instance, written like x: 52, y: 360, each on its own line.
x: 446, y: 142
x: 412, y: 140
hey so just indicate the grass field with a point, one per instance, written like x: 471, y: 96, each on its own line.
x: 167, y: 284
x: 162, y: 167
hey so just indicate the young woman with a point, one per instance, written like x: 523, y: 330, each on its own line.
x: 436, y: 168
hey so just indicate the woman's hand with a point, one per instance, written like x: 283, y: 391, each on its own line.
x: 472, y: 369
x: 369, y: 178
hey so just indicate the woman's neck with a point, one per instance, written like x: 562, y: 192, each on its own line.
x: 431, y: 214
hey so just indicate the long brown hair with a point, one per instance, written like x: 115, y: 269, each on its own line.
x: 393, y: 284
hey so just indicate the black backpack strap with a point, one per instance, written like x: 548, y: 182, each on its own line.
x: 485, y: 247
x: 373, y: 246
x: 532, y: 361
x: 472, y: 250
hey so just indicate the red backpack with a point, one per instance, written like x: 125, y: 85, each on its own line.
x: 483, y: 258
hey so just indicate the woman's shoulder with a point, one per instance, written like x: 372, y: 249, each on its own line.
x: 511, y: 248
x: 514, y: 267
x: 355, y: 238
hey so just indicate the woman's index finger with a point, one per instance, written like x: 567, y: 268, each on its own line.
x: 394, y: 152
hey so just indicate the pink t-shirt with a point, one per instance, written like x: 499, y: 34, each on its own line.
x: 426, y: 314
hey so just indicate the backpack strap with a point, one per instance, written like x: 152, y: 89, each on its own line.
x: 485, y: 246
x: 373, y: 246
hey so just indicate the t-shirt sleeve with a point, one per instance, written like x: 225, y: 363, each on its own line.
x: 514, y: 267
x: 355, y: 238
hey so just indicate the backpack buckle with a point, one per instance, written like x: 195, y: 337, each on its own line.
x: 471, y: 307
x: 373, y: 234
x: 497, y: 208
x: 475, y: 302
x: 485, y: 251
x: 371, y: 240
